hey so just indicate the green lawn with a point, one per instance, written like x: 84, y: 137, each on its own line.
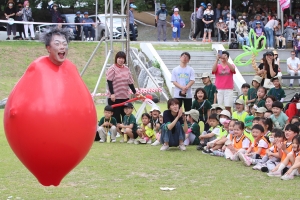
x: 124, y: 171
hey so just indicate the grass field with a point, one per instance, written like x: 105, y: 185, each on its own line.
x: 123, y: 171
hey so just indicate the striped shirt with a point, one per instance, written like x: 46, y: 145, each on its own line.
x: 121, y: 78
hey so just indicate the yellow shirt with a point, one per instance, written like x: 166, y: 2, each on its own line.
x: 239, y: 116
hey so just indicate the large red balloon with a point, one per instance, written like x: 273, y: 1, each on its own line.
x: 50, y: 120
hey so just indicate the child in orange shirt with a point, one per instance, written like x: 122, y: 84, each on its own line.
x: 257, y: 149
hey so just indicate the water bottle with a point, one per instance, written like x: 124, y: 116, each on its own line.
x: 108, y: 137
x: 125, y: 137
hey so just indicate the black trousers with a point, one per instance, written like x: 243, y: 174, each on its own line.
x: 118, y: 111
x: 187, y: 103
x: 199, y: 28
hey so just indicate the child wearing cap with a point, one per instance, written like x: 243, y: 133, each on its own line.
x: 279, y: 118
x: 244, y: 95
x: 260, y: 112
x: 248, y: 126
x: 252, y: 92
x: 277, y: 91
x: 107, y: 125
x: 202, y: 105
x: 129, y: 125
x: 192, y: 136
x: 240, y: 114
x: 210, y: 88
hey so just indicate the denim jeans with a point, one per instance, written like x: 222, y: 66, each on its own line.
x: 172, y: 137
x: 269, y: 36
x: 242, y: 39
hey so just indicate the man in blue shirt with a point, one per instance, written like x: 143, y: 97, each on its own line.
x: 88, y: 27
x: 131, y: 21
x: 161, y: 20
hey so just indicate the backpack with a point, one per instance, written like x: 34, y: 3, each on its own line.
x: 234, y: 45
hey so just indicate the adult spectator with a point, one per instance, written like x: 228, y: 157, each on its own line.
x: 55, y: 14
x: 269, y: 101
x: 77, y: 27
x: 289, y: 23
x: 131, y: 21
x: 224, y: 80
x: 297, y: 19
x: 269, y: 30
x: 20, y: 27
x: 88, y: 26
x: 259, y: 10
x: 161, y: 22
x: 257, y: 19
x: 242, y: 33
x: 217, y: 12
x: 293, y: 67
x: 208, y: 19
x: 119, y: 80
x: 296, y: 45
x: 222, y: 28
x: 280, y: 40
x: 245, y: 18
x: 268, y: 69
x: 174, y: 126
x: 200, y: 23
x: 183, y: 77
x: 225, y: 12
x: 259, y: 31
x: 245, y: 5
x: 10, y: 13
x: 176, y: 24
x: 27, y: 17
x: 264, y: 18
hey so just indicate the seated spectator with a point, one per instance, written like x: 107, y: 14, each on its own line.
x: 252, y: 92
x: 107, y: 125
x: 244, y: 96
x: 260, y: 112
x: 257, y: 19
x: 146, y: 131
x: 264, y: 18
x: 297, y: 20
x: 296, y: 44
x: 245, y: 18
x: 280, y: 40
x: 225, y: 13
x: 193, y: 133
x: 266, y: 123
x: 242, y: 33
x: 269, y: 101
x: 293, y: 66
x: 290, y: 24
x: 268, y: 69
x: 240, y: 113
x: 260, y: 99
x: 231, y: 24
x: 277, y: 91
x: 259, y: 31
x: 222, y: 28
x: 88, y: 27
x: 174, y: 127
x: 279, y: 118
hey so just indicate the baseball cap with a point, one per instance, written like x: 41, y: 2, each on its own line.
x: 205, y: 75
x: 209, y: 4
x: 155, y: 108
x: 132, y: 6
x: 194, y: 114
x: 270, y: 53
x: 85, y: 13
x: 261, y: 110
x: 239, y: 101
x: 248, y: 120
x: 203, y: 4
x: 258, y: 22
x: 78, y: 12
x: 128, y: 105
x: 176, y: 10
x: 226, y: 113
x: 163, y: 5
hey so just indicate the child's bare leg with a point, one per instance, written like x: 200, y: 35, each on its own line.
x: 217, y: 146
x: 128, y: 131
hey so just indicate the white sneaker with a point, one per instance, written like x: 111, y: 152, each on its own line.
x: 258, y: 166
x: 136, y: 142
x: 130, y: 141
x: 122, y: 140
x: 287, y: 177
x: 155, y: 143
x: 87, y: 39
x: 164, y: 148
x: 143, y: 141
x: 276, y: 173
x: 101, y: 141
x: 149, y: 141
x: 118, y: 134
x: 113, y: 141
x: 182, y: 147
x: 92, y: 39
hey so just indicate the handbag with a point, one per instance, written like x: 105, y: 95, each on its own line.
x: 234, y: 45
x: 268, y: 83
x: 181, y: 24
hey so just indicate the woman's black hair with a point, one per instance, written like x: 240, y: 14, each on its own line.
x: 120, y: 54
x: 278, y: 133
x: 267, y: 122
x: 240, y: 124
x: 266, y: 65
x: 200, y: 89
x: 258, y: 127
x: 172, y: 101
x: 149, y: 117
x: 226, y: 52
x: 295, y: 117
x: 292, y: 127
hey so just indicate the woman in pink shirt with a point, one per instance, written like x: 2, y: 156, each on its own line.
x: 224, y: 80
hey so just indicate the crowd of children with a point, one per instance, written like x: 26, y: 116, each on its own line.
x: 257, y: 133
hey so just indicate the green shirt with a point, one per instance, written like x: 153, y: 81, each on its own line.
x: 130, y: 120
x: 260, y: 103
x: 112, y: 120
x: 202, y: 107
x: 210, y: 92
x: 252, y: 93
x: 196, y: 131
x: 277, y: 93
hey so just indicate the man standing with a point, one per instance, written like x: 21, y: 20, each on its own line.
x: 131, y: 21
x: 200, y: 23
x: 183, y: 77
x: 217, y: 12
x: 78, y: 27
x: 293, y: 67
x: 88, y: 27
x: 161, y: 22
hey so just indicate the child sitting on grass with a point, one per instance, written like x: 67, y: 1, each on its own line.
x: 156, y: 120
x: 252, y: 92
x: 146, y: 131
x: 244, y: 95
x: 272, y: 157
x: 107, y: 125
x: 284, y: 148
x: 129, y: 125
x: 248, y: 126
x: 211, y: 134
x: 257, y: 149
x: 260, y: 100
x: 239, y: 141
x: 267, y: 124
x: 279, y: 118
x: 192, y: 136
x: 240, y: 113
x: 260, y: 112
x: 289, y: 160
x: 277, y: 91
